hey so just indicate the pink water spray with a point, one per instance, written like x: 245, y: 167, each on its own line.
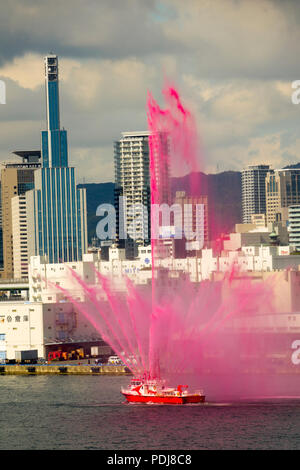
x: 175, y: 327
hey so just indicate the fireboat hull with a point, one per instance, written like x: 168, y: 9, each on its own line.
x: 171, y: 400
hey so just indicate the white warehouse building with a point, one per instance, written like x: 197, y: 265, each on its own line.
x: 49, y: 319
x: 40, y: 326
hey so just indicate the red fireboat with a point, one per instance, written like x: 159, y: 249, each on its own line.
x: 154, y: 391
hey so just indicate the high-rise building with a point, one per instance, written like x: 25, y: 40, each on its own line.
x: 259, y: 220
x: 254, y: 191
x: 282, y: 191
x: 194, y: 211
x: 56, y: 209
x: 132, y: 190
x: 20, y: 237
x: 294, y: 227
x: 16, y: 179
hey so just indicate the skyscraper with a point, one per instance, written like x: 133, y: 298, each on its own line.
x: 54, y: 139
x: 294, y: 226
x: 19, y: 237
x: 254, y: 191
x: 16, y: 179
x: 56, y: 209
x: 132, y: 185
x: 189, y: 219
x: 282, y: 191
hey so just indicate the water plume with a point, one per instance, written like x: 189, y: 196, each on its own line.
x: 174, y: 327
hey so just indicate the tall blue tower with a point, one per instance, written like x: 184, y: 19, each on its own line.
x: 54, y: 140
x: 56, y: 208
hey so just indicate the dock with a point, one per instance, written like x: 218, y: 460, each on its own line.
x: 36, y: 369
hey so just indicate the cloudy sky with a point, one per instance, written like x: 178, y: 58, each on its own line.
x: 233, y: 62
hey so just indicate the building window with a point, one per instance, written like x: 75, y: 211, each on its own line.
x: 17, y: 318
x: 25, y: 318
x: 9, y: 318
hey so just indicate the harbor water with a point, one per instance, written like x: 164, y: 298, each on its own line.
x: 88, y: 412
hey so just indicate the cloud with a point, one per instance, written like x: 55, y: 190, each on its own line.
x: 77, y: 28
x: 99, y: 158
x: 98, y: 99
x: 233, y: 62
x: 28, y: 71
x: 239, y: 119
x: 237, y: 38
x: 120, y: 81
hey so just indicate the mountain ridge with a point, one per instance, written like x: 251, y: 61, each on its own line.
x: 223, y: 189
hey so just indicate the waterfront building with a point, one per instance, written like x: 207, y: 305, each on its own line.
x: 44, y: 277
x: 45, y: 327
x: 56, y: 208
x: 54, y: 326
x: 49, y: 320
x: 254, y: 191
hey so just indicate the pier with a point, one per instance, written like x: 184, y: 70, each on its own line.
x: 67, y: 369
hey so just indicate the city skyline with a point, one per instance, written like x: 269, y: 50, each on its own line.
x: 242, y: 101
x: 149, y: 227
